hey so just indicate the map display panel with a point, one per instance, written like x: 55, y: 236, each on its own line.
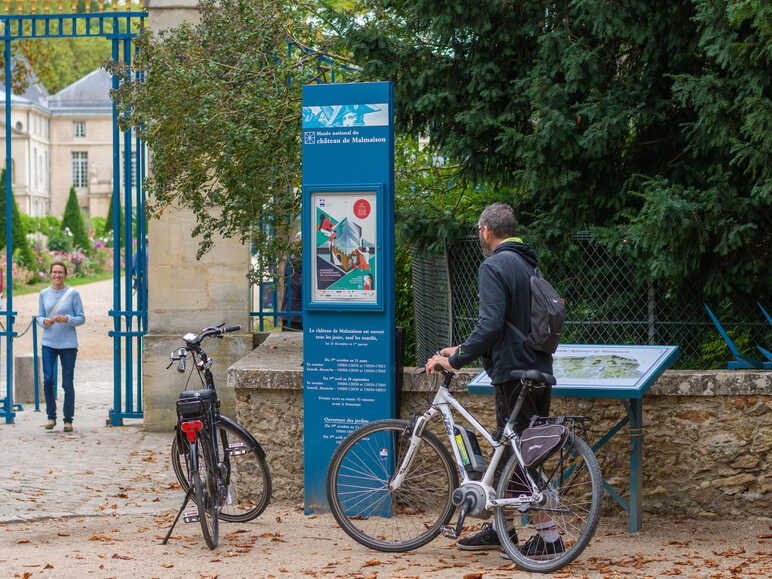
x: 602, y: 370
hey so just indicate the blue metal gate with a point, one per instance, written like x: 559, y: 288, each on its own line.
x: 129, y: 311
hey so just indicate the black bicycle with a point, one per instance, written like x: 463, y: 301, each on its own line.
x: 218, y: 463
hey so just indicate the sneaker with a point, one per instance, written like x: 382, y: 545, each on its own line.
x: 487, y: 538
x: 538, y: 548
x: 50, y: 425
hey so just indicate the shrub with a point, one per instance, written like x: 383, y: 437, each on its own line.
x: 73, y: 220
x: 19, y: 234
x: 98, y: 225
x: 59, y: 241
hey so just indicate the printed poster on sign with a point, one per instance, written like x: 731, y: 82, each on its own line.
x: 344, y: 253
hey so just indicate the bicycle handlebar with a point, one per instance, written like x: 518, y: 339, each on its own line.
x: 216, y: 331
x: 193, y: 342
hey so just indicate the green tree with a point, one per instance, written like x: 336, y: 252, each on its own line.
x: 648, y: 120
x: 233, y: 159
x: 109, y: 219
x: 21, y: 248
x: 73, y: 219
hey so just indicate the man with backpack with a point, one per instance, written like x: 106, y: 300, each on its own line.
x: 509, y: 336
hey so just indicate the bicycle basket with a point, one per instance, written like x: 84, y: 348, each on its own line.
x: 194, y: 404
x: 537, y: 443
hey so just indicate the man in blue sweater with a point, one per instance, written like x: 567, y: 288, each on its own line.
x: 60, y: 310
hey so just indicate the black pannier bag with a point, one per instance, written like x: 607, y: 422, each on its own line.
x: 194, y: 404
x: 537, y: 443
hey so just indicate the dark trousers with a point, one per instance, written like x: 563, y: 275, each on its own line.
x: 67, y: 356
x: 537, y: 403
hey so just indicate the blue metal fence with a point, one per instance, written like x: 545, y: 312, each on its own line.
x: 130, y: 311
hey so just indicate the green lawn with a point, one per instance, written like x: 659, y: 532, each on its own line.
x: 35, y: 288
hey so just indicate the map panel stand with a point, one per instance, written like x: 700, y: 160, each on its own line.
x: 606, y: 371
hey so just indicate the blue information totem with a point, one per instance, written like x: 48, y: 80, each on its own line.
x: 348, y: 269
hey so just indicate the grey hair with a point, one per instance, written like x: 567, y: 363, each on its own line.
x: 499, y: 218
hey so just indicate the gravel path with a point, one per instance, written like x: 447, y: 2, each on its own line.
x: 98, y: 501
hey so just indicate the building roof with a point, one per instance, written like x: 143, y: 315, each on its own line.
x: 89, y: 95
x: 35, y: 94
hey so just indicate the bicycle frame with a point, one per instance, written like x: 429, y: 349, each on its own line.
x: 442, y: 404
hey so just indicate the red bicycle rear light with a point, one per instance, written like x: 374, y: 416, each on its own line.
x: 190, y: 428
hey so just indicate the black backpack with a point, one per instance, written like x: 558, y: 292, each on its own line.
x: 548, y: 312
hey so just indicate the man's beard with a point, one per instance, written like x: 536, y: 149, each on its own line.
x: 486, y: 251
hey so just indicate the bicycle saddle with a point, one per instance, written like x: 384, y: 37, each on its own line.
x: 534, y: 376
x: 205, y: 394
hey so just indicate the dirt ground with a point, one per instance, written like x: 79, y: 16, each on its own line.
x: 122, y: 540
x: 285, y: 543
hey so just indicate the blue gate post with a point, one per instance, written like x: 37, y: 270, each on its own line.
x: 7, y: 409
x: 124, y: 393
x: 128, y: 258
x: 35, y: 359
x: 114, y: 416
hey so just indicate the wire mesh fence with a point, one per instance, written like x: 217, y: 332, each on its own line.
x: 432, y: 304
x: 609, y: 300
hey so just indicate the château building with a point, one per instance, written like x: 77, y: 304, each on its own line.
x: 61, y: 141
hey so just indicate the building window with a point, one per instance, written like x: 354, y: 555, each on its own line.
x: 78, y: 128
x: 79, y: 169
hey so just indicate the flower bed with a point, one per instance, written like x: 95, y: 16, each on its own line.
x: 79, y: 264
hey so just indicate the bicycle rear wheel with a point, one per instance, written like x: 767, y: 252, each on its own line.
x: 205, y: 492
x: 572, y: 485
x: 368, y: 510
x: 248, y: 484
x: 248, y: 479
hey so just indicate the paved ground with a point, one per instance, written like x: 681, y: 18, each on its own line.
x: 98, y: 501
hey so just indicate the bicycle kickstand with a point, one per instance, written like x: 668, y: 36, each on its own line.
x: 177, y: 518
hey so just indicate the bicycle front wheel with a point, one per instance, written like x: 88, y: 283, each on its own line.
x: 381, y: 518
x: 205, y: 492
x: 572, y: 485
x: 248, y: 482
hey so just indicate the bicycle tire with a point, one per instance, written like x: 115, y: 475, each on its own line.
x: 358, y: 487
x: 573, y: 488
x: 208, y: 509
x: 203, y: 494
x: 248, y: 485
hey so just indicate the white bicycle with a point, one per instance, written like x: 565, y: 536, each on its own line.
x: 393, y: 486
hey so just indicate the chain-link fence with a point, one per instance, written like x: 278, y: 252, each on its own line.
x: 609, y: 300
x: 431, y: 305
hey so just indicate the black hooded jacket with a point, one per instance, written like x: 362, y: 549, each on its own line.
x: 503, y: 283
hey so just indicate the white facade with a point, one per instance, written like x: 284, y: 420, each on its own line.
x: 61, y: 141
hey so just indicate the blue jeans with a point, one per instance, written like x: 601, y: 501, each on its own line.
x: 67, y: 356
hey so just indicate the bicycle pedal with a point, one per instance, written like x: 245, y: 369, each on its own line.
x: 191, y: 516
x: 449, y: 531
x: 237, y: 448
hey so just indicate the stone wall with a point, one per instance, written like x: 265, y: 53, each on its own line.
x: 707, y: 435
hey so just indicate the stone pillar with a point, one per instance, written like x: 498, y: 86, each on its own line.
x: 24, y: 379
x: 186, y: 295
